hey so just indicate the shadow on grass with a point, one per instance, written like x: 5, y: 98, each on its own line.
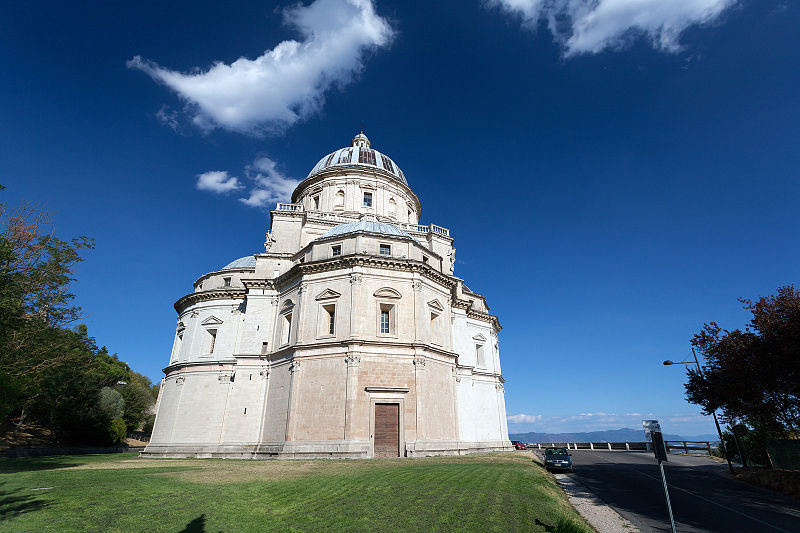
x: 13, y: 504
x: 549, y: 529
x: 198, y: 525
x: 31, y: 464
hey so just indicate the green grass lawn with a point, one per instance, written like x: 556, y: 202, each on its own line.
x: 505, y: 492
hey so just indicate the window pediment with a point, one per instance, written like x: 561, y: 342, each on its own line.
x: 211, y: 321
x: 327, y: 294
x: 479, y: 337
x: 436, y: 305
x: 288, y: 304
x: 387, y: 292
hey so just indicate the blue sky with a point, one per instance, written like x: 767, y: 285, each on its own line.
x: 615, y: 174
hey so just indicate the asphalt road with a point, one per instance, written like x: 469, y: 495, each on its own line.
x: 704, y: 497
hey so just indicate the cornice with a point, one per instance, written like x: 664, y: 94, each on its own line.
x: 474, y: 313
x: 212, y: 294
x: 187, y: 364
x: 486, y: 317
x: 252, y: 283
x: 368, y: 261
x: 285, y: 351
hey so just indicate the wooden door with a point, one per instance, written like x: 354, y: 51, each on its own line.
x: 387, y: 430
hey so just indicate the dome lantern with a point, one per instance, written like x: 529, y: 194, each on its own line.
x: 360, y: 140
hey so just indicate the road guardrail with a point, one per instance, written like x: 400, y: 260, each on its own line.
x: 686, y: 446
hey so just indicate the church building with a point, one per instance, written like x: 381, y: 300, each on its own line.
x: 349, y: 336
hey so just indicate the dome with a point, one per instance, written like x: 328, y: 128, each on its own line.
x: 247, y: 261
x: 359, y: 154
x: 370, y: 226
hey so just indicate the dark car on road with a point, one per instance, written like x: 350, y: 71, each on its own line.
x: 557, y: 458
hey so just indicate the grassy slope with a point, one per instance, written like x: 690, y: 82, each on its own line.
x: 507, y: 492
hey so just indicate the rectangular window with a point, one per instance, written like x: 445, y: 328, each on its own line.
x: 177, y: 350
x: 327, y: 320
x: 425, y: 259
x: 385, y: 249
x: 479, y: 357
x: 316, y: 202
x: 264, y: 348
x: 213, y: 334
x: 384, y: 321
x: 435, y: 335
x: 286, y: 329
x: 336, y: 250
x: 387, y: 321
x: 226, y: 282
x: 367, y: 199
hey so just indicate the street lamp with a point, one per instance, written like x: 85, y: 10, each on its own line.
x: 713, y: 413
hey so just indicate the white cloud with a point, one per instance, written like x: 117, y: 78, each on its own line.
x: 269, y: 184
x: 589, y: 26
x: 287, y: 83
x: 218, y: 181
x: 521, y: 418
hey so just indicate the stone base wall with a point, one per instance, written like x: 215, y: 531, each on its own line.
x: 316, y: 449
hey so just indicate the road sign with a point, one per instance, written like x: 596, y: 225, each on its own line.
x: 652, y: 430
x: 649, y: 427
x: 659, y: 448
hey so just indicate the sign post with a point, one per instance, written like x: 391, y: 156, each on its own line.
x: 652, y: 431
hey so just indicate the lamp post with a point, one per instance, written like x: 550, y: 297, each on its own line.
x: 713, y: 413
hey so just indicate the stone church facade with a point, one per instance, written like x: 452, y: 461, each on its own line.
x: 349, y: 336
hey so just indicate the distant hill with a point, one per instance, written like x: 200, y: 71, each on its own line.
x: 612, y: 435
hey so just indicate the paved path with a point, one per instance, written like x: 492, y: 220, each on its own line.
x: 704, y: 497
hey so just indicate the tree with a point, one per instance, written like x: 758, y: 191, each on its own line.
x: 49, y: 373
x: 139, y: 398
x: 35, y: 271
x: 753, y: 375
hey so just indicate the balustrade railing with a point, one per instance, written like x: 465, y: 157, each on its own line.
x: 330, y: 216
x: 333, y: 217
x: 417, y: 228
x: 289, y: 207
x: 440, y: 230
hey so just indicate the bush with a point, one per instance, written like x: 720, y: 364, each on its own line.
x: 111, y: 403
x: 118, y: 430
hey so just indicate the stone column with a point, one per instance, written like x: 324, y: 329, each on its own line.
x: 294, y: 395
x: 355, y: 319
x: 416, y: 287
x: 352, y: 362
x: 419, y: 367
